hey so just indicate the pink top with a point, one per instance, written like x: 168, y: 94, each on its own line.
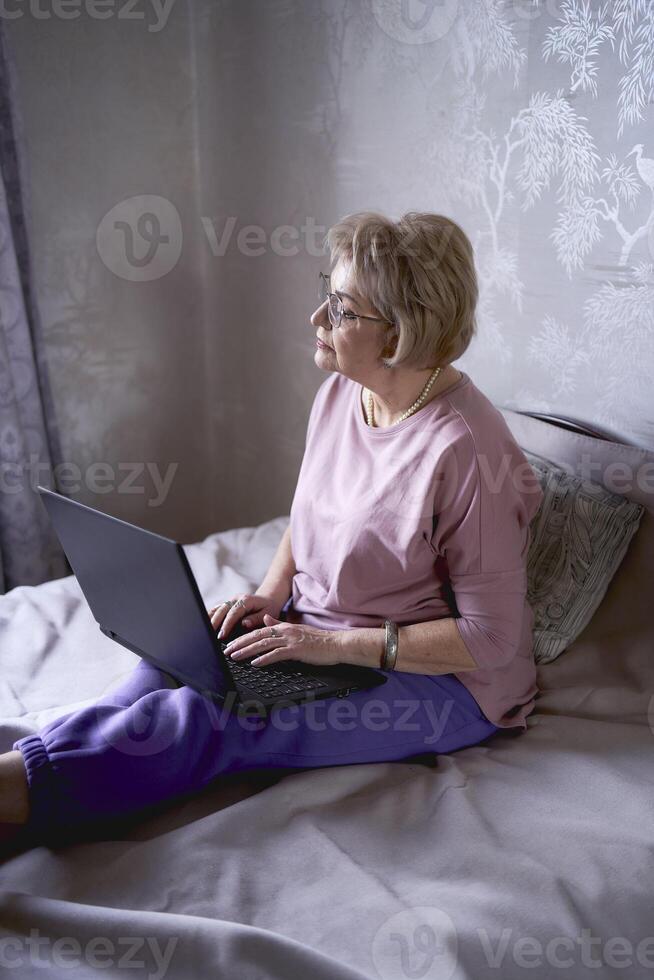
x: 418, y: 521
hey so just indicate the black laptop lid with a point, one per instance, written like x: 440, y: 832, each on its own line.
x: 141, y: 592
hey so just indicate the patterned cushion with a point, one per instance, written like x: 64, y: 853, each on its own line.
x: 578, y: 539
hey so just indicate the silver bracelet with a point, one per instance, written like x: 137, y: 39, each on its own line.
x: 390, y: 651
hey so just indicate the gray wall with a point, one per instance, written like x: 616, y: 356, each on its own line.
x: 278, y: 112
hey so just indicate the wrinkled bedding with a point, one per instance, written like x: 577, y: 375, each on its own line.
x: 529, y: 855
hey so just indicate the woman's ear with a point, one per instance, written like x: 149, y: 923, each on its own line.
x: 390, y: 346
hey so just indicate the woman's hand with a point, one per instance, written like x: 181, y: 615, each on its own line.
x: 292, y: 642
x: 252, y: 607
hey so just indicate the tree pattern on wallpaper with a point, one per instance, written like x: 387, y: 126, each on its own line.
x: 602, y: 205
x: 579, y: 34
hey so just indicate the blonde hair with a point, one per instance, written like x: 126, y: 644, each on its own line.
x: 419, y: 274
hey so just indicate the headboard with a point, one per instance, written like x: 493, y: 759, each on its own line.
x: 570, y: 424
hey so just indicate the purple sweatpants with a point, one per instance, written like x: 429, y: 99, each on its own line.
x: 149, y: 741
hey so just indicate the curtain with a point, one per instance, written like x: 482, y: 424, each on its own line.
x: 29, y: 550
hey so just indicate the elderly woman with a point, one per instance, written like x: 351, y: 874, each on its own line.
x: 413, y: 506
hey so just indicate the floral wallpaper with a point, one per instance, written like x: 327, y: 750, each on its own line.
x: 527, y: 121
x: 578, y: 143
x: 532, y: 126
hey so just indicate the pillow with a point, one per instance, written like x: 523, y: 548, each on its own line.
x: 578, y: 540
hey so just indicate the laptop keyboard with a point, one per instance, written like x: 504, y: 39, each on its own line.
x: 274, y: 681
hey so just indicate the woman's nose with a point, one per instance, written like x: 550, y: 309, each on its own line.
x: 319, y: 317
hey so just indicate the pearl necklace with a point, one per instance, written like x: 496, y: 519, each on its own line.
x: 370, y: 415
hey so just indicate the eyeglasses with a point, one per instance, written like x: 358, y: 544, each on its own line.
x: 335, y: 308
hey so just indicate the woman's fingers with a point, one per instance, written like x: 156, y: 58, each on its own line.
x: 253, y: 645
x: 217, y: 614
x: 224, y: 618
x: 234, y: 614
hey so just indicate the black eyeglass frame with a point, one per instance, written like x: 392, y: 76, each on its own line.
x: 325, y: 284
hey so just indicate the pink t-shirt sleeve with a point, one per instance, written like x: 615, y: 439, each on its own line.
x: 484, y: 504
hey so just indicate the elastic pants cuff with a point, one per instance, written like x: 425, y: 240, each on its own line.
x: 44, y: 824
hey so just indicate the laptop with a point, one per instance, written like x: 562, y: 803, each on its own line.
x: 143, y: 595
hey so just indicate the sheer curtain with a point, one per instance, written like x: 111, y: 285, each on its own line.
x: 29, y: 551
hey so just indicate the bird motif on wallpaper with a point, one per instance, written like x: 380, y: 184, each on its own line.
x: 644, y: 166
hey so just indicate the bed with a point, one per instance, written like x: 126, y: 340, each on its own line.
x: 529, y: 855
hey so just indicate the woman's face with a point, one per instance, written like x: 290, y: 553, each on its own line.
x: 356, y: 345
